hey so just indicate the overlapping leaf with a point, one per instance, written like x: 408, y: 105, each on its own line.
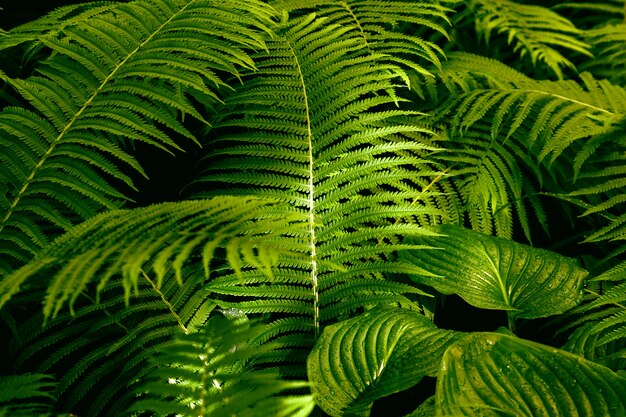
x: 112, y: 77
x: 489, y: 374
x: 383, y: 351
x: 207, y: 374
x: 496, y: 273
x: 128, y: 242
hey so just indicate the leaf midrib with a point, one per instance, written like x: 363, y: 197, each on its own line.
x: 311, y: 197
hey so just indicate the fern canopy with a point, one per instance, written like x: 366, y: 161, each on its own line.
x: 532, y: 30
x: 346, y: 165
x: 316, y: 128
x: 118, y: 75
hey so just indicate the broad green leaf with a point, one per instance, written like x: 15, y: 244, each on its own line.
x: 427, y: 409
x: 383, y: 351
x: 491, y: 374
x: 496, y: 273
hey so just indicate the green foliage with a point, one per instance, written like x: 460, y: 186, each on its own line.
x: 371, y: 356
x: 535, y: 31
x: 536, y: 381
x: 343, y: 165
x: 336, y: 155
x: 168, y: 234
x: 207, y: 372
x: 110, y: 77
x: 25, y: 395
x: 496, y: 273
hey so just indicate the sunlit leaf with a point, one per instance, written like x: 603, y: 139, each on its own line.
x: 383, y: 351
x: 496, y: 273
x: 490, y: 374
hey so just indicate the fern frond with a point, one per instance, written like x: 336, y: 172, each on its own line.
x: 52, y: 24
x: 533, y: 31
x: 601, y: 326
x: 493, y: 182
x: 562, y: 111
x: 114, y: 76
x: 207, y: 372
x: 602, y: 10
x: 102, y: 351
x: 376, y: 23
x: 338, y: 155
x: 26, y: 395
x: 608, y: 47
x: 135, y: 242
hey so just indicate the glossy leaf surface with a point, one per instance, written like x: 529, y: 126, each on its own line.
x: 496, y: 273
x: 383, y: 351
x: 490, y: 374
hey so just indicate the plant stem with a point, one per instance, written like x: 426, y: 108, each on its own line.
x: 511, y: 321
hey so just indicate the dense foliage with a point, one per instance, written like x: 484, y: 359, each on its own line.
x: 311, y: 207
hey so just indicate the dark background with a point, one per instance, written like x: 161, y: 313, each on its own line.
x: 17, y: 12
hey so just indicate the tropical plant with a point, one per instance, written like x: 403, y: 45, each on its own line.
x: 339, y: 177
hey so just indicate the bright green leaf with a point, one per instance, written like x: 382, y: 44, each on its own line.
x: 491, y: 374
x: 496, y: 273
x: 383, y: 351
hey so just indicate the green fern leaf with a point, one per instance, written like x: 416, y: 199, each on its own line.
x: 205, y: 373
x: 600, y: 322
x: 110, y: 76
x: 101, y: 352
x: 26, y: 395
x: 564, y: 110
x: 533, y: 31
x: 324, y: 153
x: 376, y: 23
x: 129, y: 241
x: 52, y: 24
x: 336, y: 154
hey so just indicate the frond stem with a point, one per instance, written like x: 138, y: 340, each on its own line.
x: 358, y: 24
x: 167, y: 303
x: 597, y: 294
x: 564, y: 98
x: 311, y: 187
x: 94, y: 301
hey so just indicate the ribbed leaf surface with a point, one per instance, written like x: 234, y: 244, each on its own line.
x: 496, y: 273
x: 383, y: 351
x: 489, y: 374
